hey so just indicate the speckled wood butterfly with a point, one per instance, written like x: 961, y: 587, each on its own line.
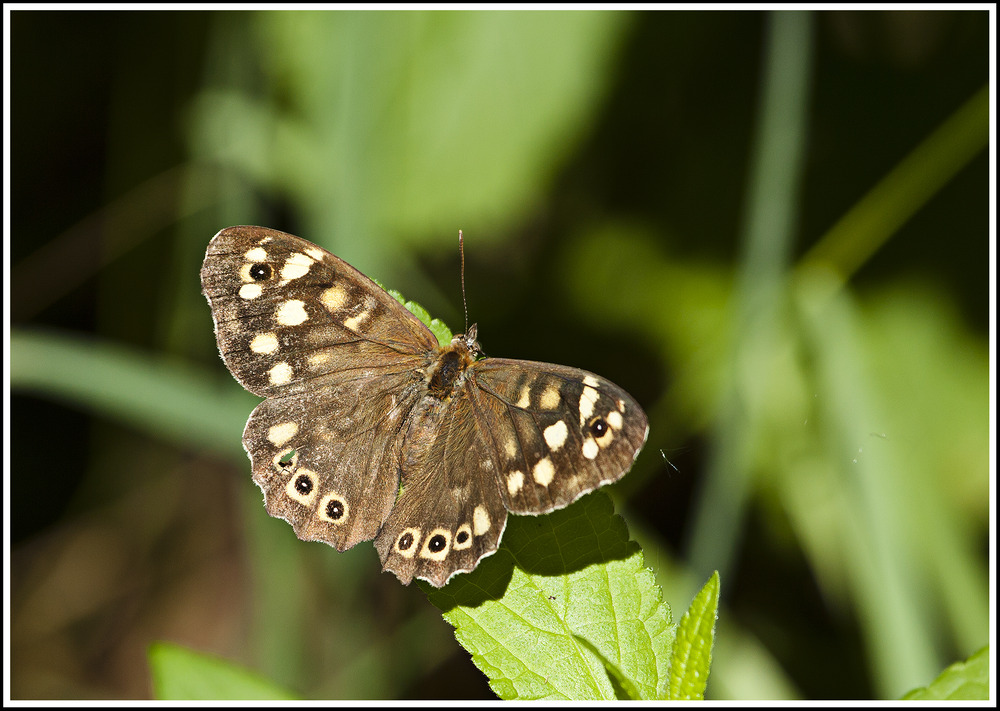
x: 371, y: 429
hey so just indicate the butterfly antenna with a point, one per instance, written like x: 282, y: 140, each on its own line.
x: 664, y: 455
x: 465, y: 306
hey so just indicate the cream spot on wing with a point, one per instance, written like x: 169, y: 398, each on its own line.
x: 354, y: 321
x: 555, y: 435
x: 295, y: 266
x: 574, y: 484
x: 264, y: 343
x: 621, y: 406
x: 510, y: 447
x: 588, y: 398
x: 543, y: 471
x: 287, y: 459
x: 515, y: 480
x: 281, y: 433
x: 460, y: 545
x: 524, y: 401
x: 591, y: 381
x: 250, y: 291
x: 590, y: 448
x: 480, y: 521
x: 257, y: 254
x: 318, y: 358
x: 334, y: 298
x: 315, y: 252
x: 245, y: 273
x: 550, y: 398
x: 280, y: 374
x: 291, y: 313
x: 615, y: 420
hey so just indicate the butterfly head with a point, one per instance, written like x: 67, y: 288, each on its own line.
x: 468, y: 340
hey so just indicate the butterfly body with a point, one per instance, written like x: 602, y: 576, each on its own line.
x: 372, y: 430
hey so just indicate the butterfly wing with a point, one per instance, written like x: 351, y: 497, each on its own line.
x: 337, y: 357
x: 449, y: 514
x: 289, y: 314
x: 517, y: 435
x: 556, y: 432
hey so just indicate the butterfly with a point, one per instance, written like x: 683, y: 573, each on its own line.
x: 373, y: 430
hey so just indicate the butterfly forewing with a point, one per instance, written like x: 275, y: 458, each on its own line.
x: 288, y: 313
x: 370, y: 429
x: 557, y: 432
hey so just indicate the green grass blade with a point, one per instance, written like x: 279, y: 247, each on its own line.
x: 165, y: 397
x: 907, y: 188
x: 867, y: 476
x: 772, y: 195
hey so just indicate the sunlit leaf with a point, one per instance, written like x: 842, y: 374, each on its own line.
x: 692, y: 655
x: 962, y: 681
x: 564, y: 610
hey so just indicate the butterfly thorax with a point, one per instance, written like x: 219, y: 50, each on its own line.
x: 447, y: 371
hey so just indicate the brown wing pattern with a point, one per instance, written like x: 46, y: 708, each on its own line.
x: 288, y: 314
x: 449, y: 514
x: 337, y: 357
x: 361, y: 399
x: 520, y: 436
x: 556, y: 432
x: 329, y: 464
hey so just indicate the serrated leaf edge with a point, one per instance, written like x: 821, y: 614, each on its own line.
x: 689, y: 644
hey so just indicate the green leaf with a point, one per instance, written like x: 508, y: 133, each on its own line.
x: 166, y: 397
x: 437, y: 326
x: 564, y: 610
x: 692, y: 656
x: 962, y: 681
x: 439, y: 329
x: 397, y: 123
x: 180, y: 674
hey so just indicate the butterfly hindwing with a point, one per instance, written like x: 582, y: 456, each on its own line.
x: 450, y: 513
x: 516, y: 435
x: 328, y: 462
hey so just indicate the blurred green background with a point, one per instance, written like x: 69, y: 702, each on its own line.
x: 772, y: 229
